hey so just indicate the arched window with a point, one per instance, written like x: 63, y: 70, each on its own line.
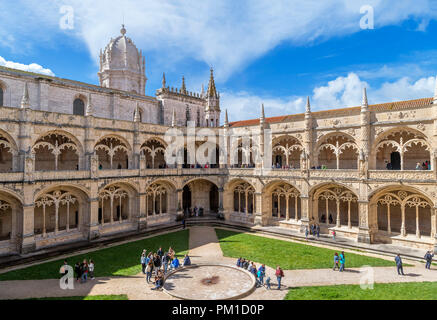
x: 1, y: 96
x: 78, y: 107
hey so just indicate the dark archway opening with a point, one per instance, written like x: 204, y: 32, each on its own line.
x: 186, y: 198
x: 214, y: 199
x: 395, y: 159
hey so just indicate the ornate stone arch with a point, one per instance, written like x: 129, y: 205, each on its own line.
x: 59, y: 144
x: 343, y: 142
x: 411, y: 146
x: 391, y: 208
x: 60, y: 208
x: 111, y: 147
x: 340, y: 201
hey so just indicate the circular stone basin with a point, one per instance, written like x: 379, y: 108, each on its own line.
x: 209, y: 282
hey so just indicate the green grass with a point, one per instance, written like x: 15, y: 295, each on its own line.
x: 101, y: 297
x: 386, y: 291
x: 121, y: 260
x: 288, y: 255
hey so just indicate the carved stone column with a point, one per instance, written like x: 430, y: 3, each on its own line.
x: 28, y: 242
x: 260, y: 219
x: 180, y: 209
x: 364, y: 231
x: 93, y: 226
x: 305, y: 214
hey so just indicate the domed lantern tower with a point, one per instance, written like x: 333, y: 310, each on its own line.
x: 122, y: 65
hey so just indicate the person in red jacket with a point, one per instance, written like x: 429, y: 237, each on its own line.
x: 279, y: 275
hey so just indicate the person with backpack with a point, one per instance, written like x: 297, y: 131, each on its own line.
x: 428, y: 258
x: 336, y: 261
x: 279, y: 275
x: 261, y: 273
x: 399, y: 267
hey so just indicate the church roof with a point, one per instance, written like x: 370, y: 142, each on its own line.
x: 82, y: 85
x: 389, y: 106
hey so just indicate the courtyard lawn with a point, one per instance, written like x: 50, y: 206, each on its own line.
x: 288, y: 255
x: 381, y: 291
x: 121, y: 260
x: 102, y: 297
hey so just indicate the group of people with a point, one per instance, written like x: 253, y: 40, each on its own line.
x: 285, y: 167
x: 84, y: 270
x: 193, y: 212
x: 260, y: 273
x: 339, y: 261
x: 314, y: 230
x: 159, y: 263
x: 424, y: 166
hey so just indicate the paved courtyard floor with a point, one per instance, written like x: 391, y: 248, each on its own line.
x: 205, y: 248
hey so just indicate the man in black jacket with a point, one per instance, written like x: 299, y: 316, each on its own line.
x: 157, y: 263
x: 428, y: 258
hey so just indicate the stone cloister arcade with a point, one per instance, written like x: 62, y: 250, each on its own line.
x: 97, y: 177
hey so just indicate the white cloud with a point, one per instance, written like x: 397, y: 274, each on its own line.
x: 339, y: 93
x: 226, y: 34
x: 33, y: 67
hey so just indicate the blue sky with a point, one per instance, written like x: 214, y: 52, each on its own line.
x: 275, y: 53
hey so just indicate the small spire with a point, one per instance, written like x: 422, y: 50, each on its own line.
x: 226, y: 124
x: 123, y: 30
x: 364, y: 103
x: 183, y: 88
x: 212, y: 92
x: 173, y: 119
x: 202, y: 94
x: 435, y: 93
x: 89, y: 108
x: 137, y: 113
x: 164, y: 82
x: 263, y: 116
x: 25, y: 103
x: 308, y: 106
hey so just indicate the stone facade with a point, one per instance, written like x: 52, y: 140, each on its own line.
x: 68, y: 177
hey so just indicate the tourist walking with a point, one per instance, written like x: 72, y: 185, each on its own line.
x: 279, y: 275
x: 398, y: 260
x: 306, y: 233
x: 183, y: 223
x: 428, y: 258
x: 268, y: 283
x: 261, y: 273
x: 333, y: 235
x: 336, y: 261
x: 342, y: 261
